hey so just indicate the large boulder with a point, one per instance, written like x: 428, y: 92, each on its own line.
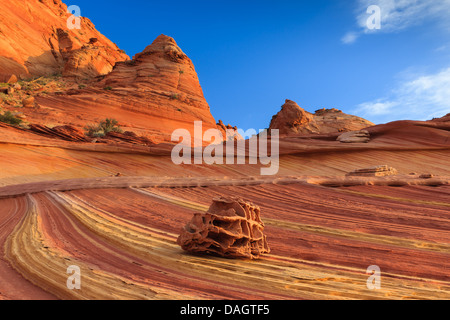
x: 29, y: 102
x: 231, y: 228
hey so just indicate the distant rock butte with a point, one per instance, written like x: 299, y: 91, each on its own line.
x: 231, y: 228
x: 35, y: 41
x: 292, y: 119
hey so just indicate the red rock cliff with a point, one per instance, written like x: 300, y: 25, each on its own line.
x: 35, y: 41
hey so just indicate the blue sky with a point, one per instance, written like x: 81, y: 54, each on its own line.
x: 252, y: 55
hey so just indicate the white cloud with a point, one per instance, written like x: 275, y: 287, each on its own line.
x: 350, y: 37
x: 398, y: 15
x: 422, y: 98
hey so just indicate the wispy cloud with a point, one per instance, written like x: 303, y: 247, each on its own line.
x: 398, y: 15
x: 421, y: 98
x: 350, y: 37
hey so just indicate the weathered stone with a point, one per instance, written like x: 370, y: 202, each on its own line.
x: 378, y: 171
x: 28, y: 102
x: 231, y: 228
x: 362, y: 136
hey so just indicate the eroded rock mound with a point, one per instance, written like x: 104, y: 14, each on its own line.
x: 231, y: 228
x: 378, y: 171
x: 293, y: 119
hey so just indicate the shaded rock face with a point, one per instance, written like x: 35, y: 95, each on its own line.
x: 231, y: 228
x: 35, y: 41
x: 292, y: 119
x: 67, y: 133
x: 378, y: 171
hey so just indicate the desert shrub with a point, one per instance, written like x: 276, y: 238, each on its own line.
x: 107, y: 88
x: 131, y: 62
x: 103, y: 128
x: 9, y: 118
x: 6, y: 98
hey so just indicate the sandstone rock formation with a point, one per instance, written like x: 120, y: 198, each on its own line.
x: 158, y: 90
x: 294, y: 120
x: 67, y: 133
x: 152, y: 95
x: 228, y: 132
x: 35, y: 41
x: 112, y: 209
x: 231, y: 228
x: 129, y: 137
x: 378, y: 171
x: 362, y: 136
x: 165, y: 73
x: 90, y: 60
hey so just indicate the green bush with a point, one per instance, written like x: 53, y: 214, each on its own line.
x: 103, y: 128
x: 107, y: 88
x: 6, y: 98
x: 9, y: 118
